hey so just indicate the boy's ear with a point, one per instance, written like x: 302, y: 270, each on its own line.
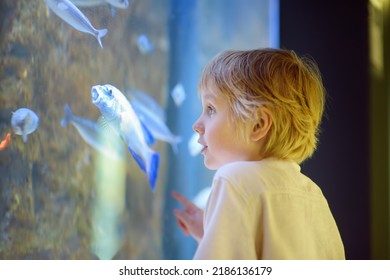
x: 263, y: 124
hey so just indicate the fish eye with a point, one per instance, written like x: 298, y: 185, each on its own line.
x: 110, y: 92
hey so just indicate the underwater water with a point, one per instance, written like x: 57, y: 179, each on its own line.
x: 62, y: 193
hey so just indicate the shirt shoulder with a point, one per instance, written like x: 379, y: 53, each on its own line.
x: 267, y: 177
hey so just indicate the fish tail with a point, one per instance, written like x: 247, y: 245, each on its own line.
x: 67, y: 115
x: 152, y: 169
x: 101, y: 33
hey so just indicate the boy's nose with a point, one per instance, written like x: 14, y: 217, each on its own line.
x: 198, y: 127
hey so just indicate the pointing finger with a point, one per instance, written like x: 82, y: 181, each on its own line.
x: 182, y: 216
x: 187, y: 204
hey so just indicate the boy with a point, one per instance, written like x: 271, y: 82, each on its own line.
x: 261, y: 114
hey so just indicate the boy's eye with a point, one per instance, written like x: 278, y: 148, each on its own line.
x: 210, y: 110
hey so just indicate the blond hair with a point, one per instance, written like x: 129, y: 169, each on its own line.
x: 289, y: 86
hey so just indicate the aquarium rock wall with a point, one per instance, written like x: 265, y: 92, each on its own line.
x: 57, y: 200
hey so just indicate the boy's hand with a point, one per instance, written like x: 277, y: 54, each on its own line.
x: 190, y: 219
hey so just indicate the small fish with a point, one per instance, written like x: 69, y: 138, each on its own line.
x: 5, y: 142
x: 193, y: 146
x: 144, y: 45
x: 93, y: 134
x: 178, y: 94
x: 23, y: 122
x: 121, y: 4
x: 66, y: 10
x: 120, y: 116
x: 155, y: 125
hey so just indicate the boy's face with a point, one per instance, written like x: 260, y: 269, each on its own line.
x: 221, y: 140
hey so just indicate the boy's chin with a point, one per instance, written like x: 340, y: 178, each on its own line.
x: 211, y: 165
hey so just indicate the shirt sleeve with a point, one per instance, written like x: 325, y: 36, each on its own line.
x: 227, y: 232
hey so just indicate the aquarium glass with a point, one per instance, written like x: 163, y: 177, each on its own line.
x: 79, y: 180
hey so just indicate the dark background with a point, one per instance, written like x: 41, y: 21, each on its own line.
x: 335, y: 34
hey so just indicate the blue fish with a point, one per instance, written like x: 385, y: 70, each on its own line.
x: 119, y: 114
x: 66, y: 10
x: 93, y: 134
x: 24, y: 121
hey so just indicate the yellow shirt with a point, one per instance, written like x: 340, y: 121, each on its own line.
x: 267, y: 210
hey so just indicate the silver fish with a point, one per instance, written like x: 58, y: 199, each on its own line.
x: 66, y: 10
x: 155, y: 125
x: 24, y: 121
x: 93, y: 134
x: 136, y: 95
x: 121, y: 4
x: 119, y: 114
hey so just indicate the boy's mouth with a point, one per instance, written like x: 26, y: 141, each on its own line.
x: 203, y: 149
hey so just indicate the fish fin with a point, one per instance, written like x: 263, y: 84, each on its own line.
x: 25, y: 137
x: 152, y: 171
x: 101, y: 121
x: 67, y: 115
x: 149, y: 138
x: 107, y: 129
x: 101, y: 33
x: 138, y: 159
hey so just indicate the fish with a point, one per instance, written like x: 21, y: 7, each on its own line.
x: 194, y: 147
x: 93, y: 134
x: 121, y: 117
x: 24, y: 121
x: 67, y: 11
x: 144, y: 45
x: 120, y: 4
x: 178, y: 94
x: 136, y: 95
x: 4, y: 143
x: 154, y: 124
